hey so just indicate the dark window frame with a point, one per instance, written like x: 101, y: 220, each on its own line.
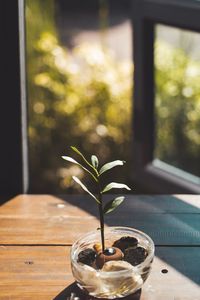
x: 13, y: 113
x: 145, y: 15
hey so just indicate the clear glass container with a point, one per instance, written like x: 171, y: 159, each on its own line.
x: 111, y: 284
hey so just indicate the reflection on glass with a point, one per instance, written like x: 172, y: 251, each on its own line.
x: 79, y: 87
x: 177, y: 78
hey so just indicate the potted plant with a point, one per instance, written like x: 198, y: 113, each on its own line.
x: 109, y: 262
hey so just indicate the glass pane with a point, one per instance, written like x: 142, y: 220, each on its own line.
x: 177, y: 78
x: 79, y: 87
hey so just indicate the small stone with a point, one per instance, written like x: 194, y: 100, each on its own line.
x: 125, y: 242
x: 109, y: 251
x: 117, y: 265
x: 97, y: 248
x: 135, y: 256
x: 100, y: 260
x: 108, y: 255
x: 87, y: 256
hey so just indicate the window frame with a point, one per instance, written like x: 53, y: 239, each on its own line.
x: 13, y: 113
x: 145, y: 15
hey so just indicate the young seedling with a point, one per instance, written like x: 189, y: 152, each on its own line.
x: 96, y: 173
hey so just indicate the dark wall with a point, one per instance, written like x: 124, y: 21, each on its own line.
x: 11, y: 181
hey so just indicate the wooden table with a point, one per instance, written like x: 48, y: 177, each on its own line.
x: 36, y: 232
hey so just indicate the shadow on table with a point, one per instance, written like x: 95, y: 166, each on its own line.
x: 6, y: 197
x: 73, y: 289
x: 170, y: 221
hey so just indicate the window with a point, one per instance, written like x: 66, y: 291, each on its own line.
x: 79, y: 87
x: 177, y: 101
x: 166, y: 136
x: 153, y: 169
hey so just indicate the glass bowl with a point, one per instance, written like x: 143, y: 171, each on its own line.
x: 111, y: 284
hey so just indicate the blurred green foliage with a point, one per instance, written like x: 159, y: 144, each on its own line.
x: 83, y: 98
x: 80, y: 98
x: 177, y: 108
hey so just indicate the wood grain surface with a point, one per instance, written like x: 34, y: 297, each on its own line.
x: 36, y: 233
x: 46, y: 219
x: 43, y: 272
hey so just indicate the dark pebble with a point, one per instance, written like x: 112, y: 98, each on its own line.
x: 135, y: 256
x: 87, y: 256
x: 125, y: 242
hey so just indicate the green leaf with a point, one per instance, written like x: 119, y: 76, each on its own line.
x: 111, y: 165
x: 70, y: 159
x: 94, y: 161
x: 83, y: 157
x: 111, y: 205
x: 115, y: 185
x: 77, y: 180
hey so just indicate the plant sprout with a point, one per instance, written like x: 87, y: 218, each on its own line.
x: 96, y: 173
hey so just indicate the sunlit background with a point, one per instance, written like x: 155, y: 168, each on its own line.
x: 80, y: 87
x: 177, y: 80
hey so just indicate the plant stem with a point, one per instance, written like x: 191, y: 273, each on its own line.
x: 101, y: 224
x: 101, y: 217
